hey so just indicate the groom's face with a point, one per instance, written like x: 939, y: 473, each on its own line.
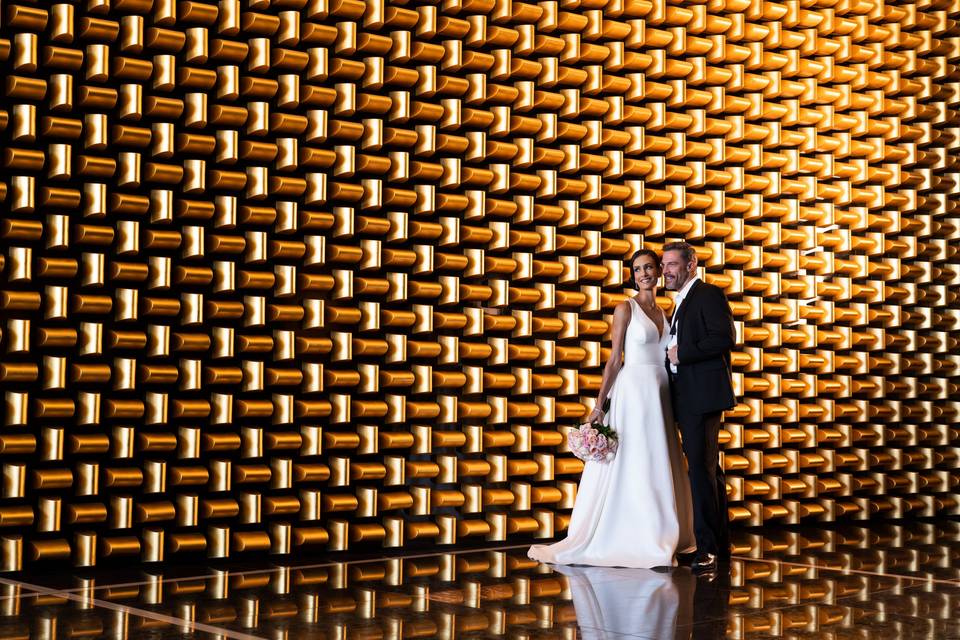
x: 676, y: 270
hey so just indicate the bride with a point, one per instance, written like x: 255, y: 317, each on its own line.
x: 635, y: 511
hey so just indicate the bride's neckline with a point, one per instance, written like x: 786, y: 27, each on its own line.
x: 646, y: 315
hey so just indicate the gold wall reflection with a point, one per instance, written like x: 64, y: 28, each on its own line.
x: 850, y: 582
x: 284, y: 275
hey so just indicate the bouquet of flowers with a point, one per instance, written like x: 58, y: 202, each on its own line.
x: 593, y: 441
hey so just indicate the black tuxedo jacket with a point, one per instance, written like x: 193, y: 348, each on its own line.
x: 705, y: 337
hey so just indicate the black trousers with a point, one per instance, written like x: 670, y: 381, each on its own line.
x: 707, y: 483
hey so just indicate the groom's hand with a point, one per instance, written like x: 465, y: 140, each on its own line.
x: 672, y: 355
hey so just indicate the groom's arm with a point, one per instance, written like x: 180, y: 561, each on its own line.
x: 719, y: 336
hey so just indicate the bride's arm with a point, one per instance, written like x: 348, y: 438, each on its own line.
x: 621, y: 317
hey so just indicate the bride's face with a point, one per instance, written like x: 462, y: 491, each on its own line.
x: 646, y: 273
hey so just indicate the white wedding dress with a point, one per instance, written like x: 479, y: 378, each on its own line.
x: 635, y: 511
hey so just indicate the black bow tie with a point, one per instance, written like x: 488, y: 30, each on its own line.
x: 675, y: 320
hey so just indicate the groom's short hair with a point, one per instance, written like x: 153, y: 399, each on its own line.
x: 685, y: 248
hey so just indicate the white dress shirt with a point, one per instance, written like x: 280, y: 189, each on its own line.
x: 676, y: 309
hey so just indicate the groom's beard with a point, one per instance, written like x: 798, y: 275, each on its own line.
x: 677, y: 283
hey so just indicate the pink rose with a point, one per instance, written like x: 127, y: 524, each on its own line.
x: 589, y: 444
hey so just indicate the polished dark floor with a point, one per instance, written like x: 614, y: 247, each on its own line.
x: 876, y: 581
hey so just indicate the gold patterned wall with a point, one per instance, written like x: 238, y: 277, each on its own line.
x: 293, y: 275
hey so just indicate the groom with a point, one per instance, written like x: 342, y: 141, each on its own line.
x: 698, y: 363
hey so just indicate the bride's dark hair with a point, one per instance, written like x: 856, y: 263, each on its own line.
x: 636, y: 254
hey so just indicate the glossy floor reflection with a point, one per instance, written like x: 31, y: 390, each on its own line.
x: 877, y: 581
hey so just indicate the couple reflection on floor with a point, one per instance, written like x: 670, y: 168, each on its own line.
x: 669, y: 603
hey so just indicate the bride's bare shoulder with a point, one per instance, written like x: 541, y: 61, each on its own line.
x: 622, y: 307
x: 621, y: 313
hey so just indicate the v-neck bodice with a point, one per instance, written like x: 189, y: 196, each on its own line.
x: 643, y: 343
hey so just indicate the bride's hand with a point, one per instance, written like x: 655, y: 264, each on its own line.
x: 595, y: 416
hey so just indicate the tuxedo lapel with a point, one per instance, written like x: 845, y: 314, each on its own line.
x: 677, y: 313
